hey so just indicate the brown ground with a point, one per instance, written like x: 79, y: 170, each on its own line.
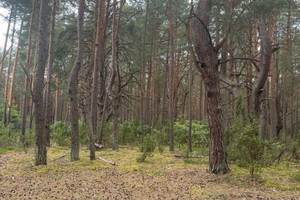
x: 161, y: 177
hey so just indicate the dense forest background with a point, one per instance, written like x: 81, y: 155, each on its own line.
x: 219, y: 77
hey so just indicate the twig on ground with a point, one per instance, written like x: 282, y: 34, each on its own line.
x: 60, y: 157
x: 110, y: 162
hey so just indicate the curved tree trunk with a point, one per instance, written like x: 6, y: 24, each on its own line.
x: 73, y: 84
x: 41, y: 151
x: 208, y: 56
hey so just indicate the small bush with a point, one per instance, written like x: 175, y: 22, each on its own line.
x: 296, y: 177
x: 147, y: 148
x: 83, y: 132
x: 60, y: 133
x: 8, y: 136
x: 129, y: 132
x: 29, y: 139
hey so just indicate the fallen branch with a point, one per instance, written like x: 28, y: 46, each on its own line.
x: 180, y: 156
x: 60, y: 157
x: 277, y: 157
x: 110, y: 162
x: 100, y: 146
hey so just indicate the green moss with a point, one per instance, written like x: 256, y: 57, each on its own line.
x: 10, y: 149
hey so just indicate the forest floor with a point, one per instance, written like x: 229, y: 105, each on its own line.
x: 162, y: 176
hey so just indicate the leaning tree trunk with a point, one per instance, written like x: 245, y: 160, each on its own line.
x: 8, y: 74
x: 73, y: 84
x: 265, y: 61
x: 5, y: 44
x: 208, y: 55
x: 12, y: 82
x: 41, y: 151
x: 27, y: 79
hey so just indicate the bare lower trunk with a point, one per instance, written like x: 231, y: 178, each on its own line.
x: 28, y: 63
x: 73, y: 85
x: 41, y: 151
x: 12, y: 83
x: 48, y: 106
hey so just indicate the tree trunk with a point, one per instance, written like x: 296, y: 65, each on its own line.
x: 5, y: 44
x: 115, y: 97
x: 32, y: 84
x: 171, y: 73
x: 12, y: 82
x: 48, y: 116
x: 209, y: 69
x: 27, y: 81
x: 97, y: 56
x: 41, y: 151
x: 8, y: 74
x: 73, y: 85
x: 287, y: 64
x: 265, y: 60
x: 190, y: 87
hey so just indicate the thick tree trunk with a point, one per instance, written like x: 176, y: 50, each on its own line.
x: 171, y: 115
x: 27, y: 81
x: 8, y: 74
x: 12, y: 82
x: 48, y: 116
x: 41, y: 151
x: 209, y: 69
x: 73, y: 85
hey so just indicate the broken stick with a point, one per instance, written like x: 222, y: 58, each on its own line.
x: 60, y: 156
x: 110, y: 162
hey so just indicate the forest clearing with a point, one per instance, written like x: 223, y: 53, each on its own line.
x: 162, y: 176
x: 149, y: 99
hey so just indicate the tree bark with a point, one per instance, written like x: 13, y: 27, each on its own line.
x: 8, y: 73
x: 5, y: 43
x: 73, y: 85
x: 27, y: 81
x: 41, y: 151
x: 32, y: 84
x: 48, y: 115
x: 287, y: 64
x: 12, y: 82
x: 171, y: 73
x: 208, y: 56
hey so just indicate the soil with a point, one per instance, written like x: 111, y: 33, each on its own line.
x: 162, y: 176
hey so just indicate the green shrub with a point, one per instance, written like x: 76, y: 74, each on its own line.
x: 83, y: 132
x: 296, y: 177
x: 29, y: 139
x: 250, y: 148
x: 200, y: 134
x: 129, y: 132
x: 60, y: 133
x: 8, y: 135
x: 147, y: 148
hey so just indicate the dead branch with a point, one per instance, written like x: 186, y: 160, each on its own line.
x: 60, y: 157
x: 110, y: 162
x: 181, y: 156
